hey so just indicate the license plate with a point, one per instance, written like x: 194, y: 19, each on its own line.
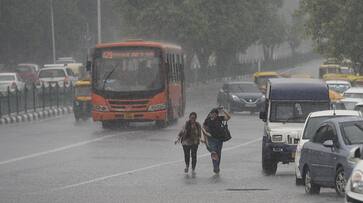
x: 293, y: 155
x: 250, y: 105
x: 129, y: 116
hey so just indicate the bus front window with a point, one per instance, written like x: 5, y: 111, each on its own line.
x: 125, y: 74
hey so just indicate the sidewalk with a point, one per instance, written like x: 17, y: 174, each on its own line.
x: 35, y: 115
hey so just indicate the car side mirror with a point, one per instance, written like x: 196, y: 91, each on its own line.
x: 263, y: 116
x: 88, y: 66
x: 328, y: 143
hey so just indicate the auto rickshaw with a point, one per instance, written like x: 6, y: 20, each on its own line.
x: 261, y: 78
x: 328, y: 68
x: 82, y: 104
x: 357, y: 81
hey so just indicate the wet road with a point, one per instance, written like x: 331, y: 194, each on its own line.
x: 57, y: 160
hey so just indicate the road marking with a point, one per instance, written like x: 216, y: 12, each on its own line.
x: 38, y: 154
x: 146, y: 168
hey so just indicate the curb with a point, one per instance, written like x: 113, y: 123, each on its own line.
x: 38, y: 115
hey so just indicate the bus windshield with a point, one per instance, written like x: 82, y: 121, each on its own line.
x: 125, y: 71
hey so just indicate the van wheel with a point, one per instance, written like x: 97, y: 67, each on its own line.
x: 269, y: 167
x: 310, y: 187
x: 299, y: 181
x: 340, y: 182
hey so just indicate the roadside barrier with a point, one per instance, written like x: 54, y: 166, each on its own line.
x: 34, y: 102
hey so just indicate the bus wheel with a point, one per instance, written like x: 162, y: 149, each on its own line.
x: 107, y: 124
x: 161, y: 124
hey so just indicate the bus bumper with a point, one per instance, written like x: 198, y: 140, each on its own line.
x: 130, y: 116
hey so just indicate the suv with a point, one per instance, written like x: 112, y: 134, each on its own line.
x: 62, y: 75
x: 288, y: 103
x: 311, y: 125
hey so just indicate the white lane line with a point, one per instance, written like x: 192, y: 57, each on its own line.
x: 38, y: 154
x: 146, y: 168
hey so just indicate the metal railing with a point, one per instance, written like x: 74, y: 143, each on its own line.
x: 34, y: 98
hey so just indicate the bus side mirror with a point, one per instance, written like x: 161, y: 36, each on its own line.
x: 88, y: 66
x: 263, y: 116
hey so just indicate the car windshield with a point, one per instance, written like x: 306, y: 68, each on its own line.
x: 295, y: 112
x: 82, y: 91
x: 354, y: 95
x: 243, y: 88
x: 7, y: 77
x: 124, y: 71
x: 22, y: 69
x: 340, y: 88
x: 52, y: 73
x: 352, y: 132
x: 313, y: 124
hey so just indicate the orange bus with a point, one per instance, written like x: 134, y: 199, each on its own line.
x: 137, y: 81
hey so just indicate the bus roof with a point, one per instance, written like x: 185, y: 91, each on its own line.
x: 139, y: 43
x: 294, y: 89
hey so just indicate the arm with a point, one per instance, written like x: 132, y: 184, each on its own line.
x: 226, y: 116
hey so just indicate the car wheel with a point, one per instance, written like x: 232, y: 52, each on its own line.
x: 340, y: 182
x: 310, y: 187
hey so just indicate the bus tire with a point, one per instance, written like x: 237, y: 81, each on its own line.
x: 107, y: 124
x: 161, y: 124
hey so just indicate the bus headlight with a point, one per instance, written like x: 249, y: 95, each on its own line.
x: 357, y: 182
x: 100, y: 108
x: 157, y: 107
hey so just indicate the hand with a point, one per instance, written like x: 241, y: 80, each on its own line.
x: 176, y: 142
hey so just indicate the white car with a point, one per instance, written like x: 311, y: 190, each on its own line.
x: 11, y: 80
x: 339, y: 86
x: 354, y: 186
x: 312, y: 123
x: 352, y: 96
x: 56, y: 74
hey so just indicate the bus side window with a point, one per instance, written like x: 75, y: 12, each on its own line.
x: 178, y: 67
x: 170, y: 73
x: 173, y: 67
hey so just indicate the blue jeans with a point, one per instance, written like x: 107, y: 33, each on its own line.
x: 215, y: 145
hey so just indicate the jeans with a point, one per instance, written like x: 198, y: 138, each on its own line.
x: 215, y: 146
x: 190, y: 149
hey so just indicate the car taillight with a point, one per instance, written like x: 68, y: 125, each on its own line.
x: 66, y: 81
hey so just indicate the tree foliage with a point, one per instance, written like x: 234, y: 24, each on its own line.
x: 203, y: 27
x: 336, y: 26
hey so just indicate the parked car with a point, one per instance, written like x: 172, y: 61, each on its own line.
x: 311, y: 125
x: 11, y: 80
x: 354, y: 188
x: 326, y: 159
x: 56, y: 74
x: 240, y: 96
x: 339, y: 86
x: 352, y: 96
x: 28, y: 72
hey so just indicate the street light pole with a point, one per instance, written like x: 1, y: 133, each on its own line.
x: 99, y: 20
x: 52, y: 25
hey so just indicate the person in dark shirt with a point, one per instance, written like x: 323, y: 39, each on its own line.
x: 189, y: 137
x: 212, y: 129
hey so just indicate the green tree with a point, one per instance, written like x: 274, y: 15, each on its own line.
x: 336, y: 27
